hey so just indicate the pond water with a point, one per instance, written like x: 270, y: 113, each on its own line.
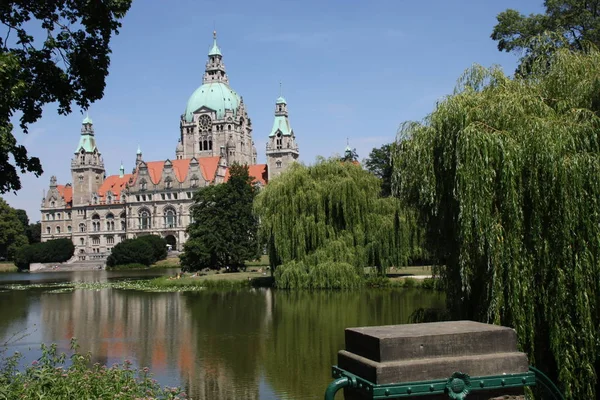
x: 250, y: 344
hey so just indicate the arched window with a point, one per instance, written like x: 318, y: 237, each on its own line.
x: 279, y: 140
x: 194, y: 181
x: 58, y: 229
x: 82, y: 227
x: 48, y: 230
x: 143, y: 184
x: 144, y: 219
x: 205, y: 145
x: 52, y: 204
x: 110, y: 222
x: 69, y: 229
x: 96, y: 223
x: 168, y: 182
x: 278, y: 163
x: 109, y: 198
x: 170, y: 218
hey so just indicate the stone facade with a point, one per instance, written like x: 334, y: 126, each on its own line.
x: 98, y: 211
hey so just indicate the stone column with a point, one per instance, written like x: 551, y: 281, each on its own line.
x: 433, y: 351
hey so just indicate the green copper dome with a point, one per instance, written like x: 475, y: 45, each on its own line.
x: 280, y: 100
x: 217, y: 96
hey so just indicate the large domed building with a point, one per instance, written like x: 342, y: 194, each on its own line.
x: 98, y: 211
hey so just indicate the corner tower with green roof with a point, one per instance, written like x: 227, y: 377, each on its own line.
x: 215, y: 117
x: 87, y: 166
x: 282, y: 149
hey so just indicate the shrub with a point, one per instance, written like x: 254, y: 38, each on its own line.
x: 159, y: 246
x: 52, y: 377
x: 131, y: 251
x: 52, y: 251
x: 325, y: 275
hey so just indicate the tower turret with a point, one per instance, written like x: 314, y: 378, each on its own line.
x: 282, y: 149
x: 215, y: 68
x: 87, y: 166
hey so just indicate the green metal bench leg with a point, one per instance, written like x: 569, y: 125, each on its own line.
x: 550, y: 387
x: 336, y: 385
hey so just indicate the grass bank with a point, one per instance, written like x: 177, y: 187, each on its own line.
x: 161, y: 264
x: 8, y: 266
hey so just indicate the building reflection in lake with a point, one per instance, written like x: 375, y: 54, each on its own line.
x: 197, y: 340
x: 247, y: 344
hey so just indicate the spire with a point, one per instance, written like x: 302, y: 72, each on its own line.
x: 215, y: 51
x: 121, y: 170
x: 281, y: 122
x: 280, y: 99
x: 215, y: 69
x: 87, y: 120
x: 87, y: 141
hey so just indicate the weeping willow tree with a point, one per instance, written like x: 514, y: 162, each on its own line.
x: 506, y: 174
x: 324, y: 223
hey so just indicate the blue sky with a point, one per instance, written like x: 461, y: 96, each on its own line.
x: 350, y: 69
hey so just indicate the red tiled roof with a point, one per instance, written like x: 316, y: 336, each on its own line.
x: 257, y: 171
x: 208, y: 167
x: 115, y: 184
x: 66, y: 192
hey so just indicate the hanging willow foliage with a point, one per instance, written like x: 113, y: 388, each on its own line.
x: 506, y: 174
x: 319, y: 220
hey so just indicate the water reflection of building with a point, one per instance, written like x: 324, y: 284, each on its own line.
x: 180, y: 336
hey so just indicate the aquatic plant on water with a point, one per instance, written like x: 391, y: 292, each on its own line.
x: 60, y: 377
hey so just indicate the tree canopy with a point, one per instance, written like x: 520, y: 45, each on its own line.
x: 505, y: 175
x: 67, y: 63
x: 329, y: 217
x: 224, y: 231
x: 379, y: 163
x: 12, y: 231
x: 565, y: 23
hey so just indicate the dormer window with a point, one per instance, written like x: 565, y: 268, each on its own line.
x: 143, y: 185
x: 168, y: 183
x: 194, y: 181
x: 52, y: 204
x: 95, y: 199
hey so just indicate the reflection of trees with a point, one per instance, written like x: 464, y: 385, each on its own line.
x: 308, y: 330
x: 14, y: 313
x: 229, y: 333
x: 219, y: 343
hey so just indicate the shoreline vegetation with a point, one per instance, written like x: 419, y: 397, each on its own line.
x: 68, y: 376
x: 8, y: 266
